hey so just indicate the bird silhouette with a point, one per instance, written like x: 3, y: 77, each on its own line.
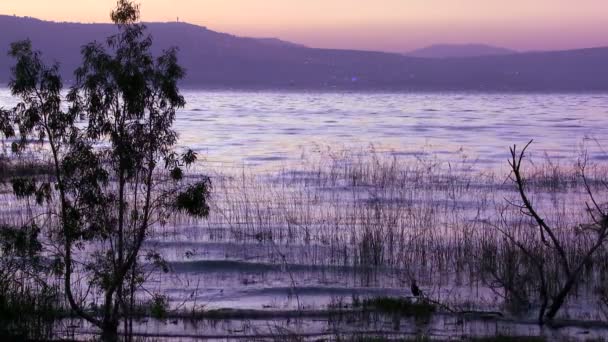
x: 416, y: 292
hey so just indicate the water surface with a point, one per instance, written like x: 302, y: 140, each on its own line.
x: 292, y: 242
x: 273, y: 128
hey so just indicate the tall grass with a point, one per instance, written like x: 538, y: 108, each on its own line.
x: 393, y: 219
x: 29, y: 312
x: 371, y: 219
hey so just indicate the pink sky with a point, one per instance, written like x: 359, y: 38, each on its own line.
x: 389, y: 25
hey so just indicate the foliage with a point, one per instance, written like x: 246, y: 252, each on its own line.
x: 158, y: 306
x: 28, y: 313
x: 189, y: 200
x: 28, y: 305
x: 108, y: 186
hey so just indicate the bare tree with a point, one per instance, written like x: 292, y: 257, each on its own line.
x: 555, y: 288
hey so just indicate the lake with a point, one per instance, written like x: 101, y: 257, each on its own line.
x: 271, y: 129
x: 258, y: 128
x: 324, y: 198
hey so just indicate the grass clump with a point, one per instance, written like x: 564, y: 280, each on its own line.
x: 502, y: 338
x: 385, y: 339
x: 499, y: 338
x: 10, y: 168
x: 400, y: 306
x: 28, y: 313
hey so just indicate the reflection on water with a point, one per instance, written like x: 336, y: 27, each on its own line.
x: 263, y: 127
x: 272, y: 128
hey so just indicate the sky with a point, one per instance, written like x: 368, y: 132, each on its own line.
x: 386, y: 25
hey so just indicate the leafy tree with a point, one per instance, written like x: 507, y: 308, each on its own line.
x: 116, y: 175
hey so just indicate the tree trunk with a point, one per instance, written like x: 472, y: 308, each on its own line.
x: 559, y: 300
x: 556, y: 305
x: 109, y: 331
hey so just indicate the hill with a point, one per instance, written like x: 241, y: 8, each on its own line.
x: 220, y: 60
x: 459, y: 51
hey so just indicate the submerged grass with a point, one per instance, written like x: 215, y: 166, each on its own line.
x: 400, y: 306
x: 429, y: 339
x: 386, y: 339
x: 361, y: 220
x: 509, y: 339
x: 28, y: 313
x: 22, y: 167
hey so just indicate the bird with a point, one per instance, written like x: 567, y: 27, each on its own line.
x: 415, y: 289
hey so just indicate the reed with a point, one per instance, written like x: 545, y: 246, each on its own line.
x: 371, y: 219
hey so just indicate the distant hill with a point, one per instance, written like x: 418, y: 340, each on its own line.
x: 278, y: 42
x: 219, y: 60
x: 459, y: 51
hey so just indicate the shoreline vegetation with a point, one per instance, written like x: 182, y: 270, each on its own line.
x: 435, y: 214
x: 22, y: 167
x: 108, y: 226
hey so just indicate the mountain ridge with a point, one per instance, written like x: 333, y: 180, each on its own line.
x: 460, y: 51
x: 220, y: 60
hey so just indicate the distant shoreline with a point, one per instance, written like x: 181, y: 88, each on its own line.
x: 356, y: 90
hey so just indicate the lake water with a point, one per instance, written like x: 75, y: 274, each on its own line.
x: 262, y: 127
x: 299, y: 240
x: 274, y: 128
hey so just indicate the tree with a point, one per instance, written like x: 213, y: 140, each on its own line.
x: 116, y: 175
x: 556, y: 279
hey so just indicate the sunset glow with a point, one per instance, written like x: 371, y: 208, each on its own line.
x: 390, y: 25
